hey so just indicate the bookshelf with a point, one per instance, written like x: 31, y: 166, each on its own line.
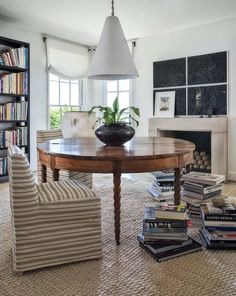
x: 14, y: 98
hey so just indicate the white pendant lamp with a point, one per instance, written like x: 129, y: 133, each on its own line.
x: 112, y: 59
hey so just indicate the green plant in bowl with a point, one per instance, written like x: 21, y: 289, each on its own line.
x: 116, y: 129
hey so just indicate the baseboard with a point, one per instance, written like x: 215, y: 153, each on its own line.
x: 232, y: 176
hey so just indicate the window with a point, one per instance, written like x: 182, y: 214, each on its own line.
x: 120, y: 88
x: 64, y: 95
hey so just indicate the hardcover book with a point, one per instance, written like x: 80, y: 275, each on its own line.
x: 211, y: 213
x: 159, y: 248
x: 219, y: 235
x: 200, y: 195
x: 153, y: 241
x: 194, y: 246
x: 204, y: 178
x: 170, y: 211
x: 216, y: 244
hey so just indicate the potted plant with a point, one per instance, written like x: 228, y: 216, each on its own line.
x: 115, y: 130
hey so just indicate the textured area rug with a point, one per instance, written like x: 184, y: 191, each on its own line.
x: 124, y: 270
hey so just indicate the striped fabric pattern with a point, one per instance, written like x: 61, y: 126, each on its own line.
x: 52, y: 223
x: 46, y: 135
x: 63, y: 190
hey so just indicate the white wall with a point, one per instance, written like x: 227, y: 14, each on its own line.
x: 38, y: 83
x: 198, y: 40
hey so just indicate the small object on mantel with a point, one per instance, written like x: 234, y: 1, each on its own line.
x: 219, y: 202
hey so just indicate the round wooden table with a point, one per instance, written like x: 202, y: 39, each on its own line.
x: 144, y: 154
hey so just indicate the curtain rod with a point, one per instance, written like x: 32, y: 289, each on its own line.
x: 45, y: 36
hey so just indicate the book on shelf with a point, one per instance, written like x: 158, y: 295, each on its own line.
x: 14, y: 111
x: 3, y: 166
x: 14, y: 83
x: 194, y: 246
x: 204, y: 178
x: 17, y: 136
x: 14, y: 57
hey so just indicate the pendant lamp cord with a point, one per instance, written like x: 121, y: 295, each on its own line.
x: 112, y: 7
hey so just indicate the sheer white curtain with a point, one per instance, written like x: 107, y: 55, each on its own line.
x: 67, y: 60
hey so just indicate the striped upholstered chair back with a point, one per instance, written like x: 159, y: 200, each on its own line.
x: 46, y: 135
x: 43, y: 136
x: 23, y: 189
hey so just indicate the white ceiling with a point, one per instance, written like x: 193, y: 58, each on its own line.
x: 82, y: 20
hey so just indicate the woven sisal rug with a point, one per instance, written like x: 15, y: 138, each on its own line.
x: 125, y: 270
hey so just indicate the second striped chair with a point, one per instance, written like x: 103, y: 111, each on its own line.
x: 84, y: 178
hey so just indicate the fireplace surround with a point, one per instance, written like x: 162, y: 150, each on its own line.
x: 217, y: 126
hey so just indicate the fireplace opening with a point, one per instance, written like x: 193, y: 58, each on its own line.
x: 202, y: 153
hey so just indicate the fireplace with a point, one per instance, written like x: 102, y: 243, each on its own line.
x: 202, y: 153
x: 208, y: 134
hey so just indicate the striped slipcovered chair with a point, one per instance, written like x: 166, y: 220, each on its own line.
x: 53, y: 222
x: 46, y: 135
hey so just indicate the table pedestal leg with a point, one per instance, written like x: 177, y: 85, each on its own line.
x: 44, y: 173
x: 188, y: 168
x: 177, y: 186
x: 55, y: 174
x: 117, y: 196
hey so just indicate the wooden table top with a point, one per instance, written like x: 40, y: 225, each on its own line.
x: 138, y: 147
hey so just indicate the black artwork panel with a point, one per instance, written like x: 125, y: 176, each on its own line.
x: 180, y: 100
x: 169, y: 73
x: 208, y: 68
x: 209, y: 100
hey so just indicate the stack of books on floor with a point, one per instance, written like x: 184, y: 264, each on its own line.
x: 219, y: 230
x: 199, y: 188
x: 162, y: 188
x: 164, y: 232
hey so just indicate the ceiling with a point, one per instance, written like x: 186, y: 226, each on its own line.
x: 82, y: 20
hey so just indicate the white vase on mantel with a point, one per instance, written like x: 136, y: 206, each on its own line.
x: 76, y: 124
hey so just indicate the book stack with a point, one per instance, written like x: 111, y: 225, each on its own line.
x: 197, y: 189
x: 219, y: 230
x: 164, y: 232
x: 162, y: 188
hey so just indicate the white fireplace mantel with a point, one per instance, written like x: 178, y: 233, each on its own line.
x: 217, y: 126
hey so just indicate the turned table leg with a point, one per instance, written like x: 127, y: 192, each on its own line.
x: 44, y: 173
x: 117, y: 196
x: 55, y: 174
x: 188, y: 168
x: 177, y: 186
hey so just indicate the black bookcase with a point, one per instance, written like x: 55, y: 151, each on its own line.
x: 14, y: 98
